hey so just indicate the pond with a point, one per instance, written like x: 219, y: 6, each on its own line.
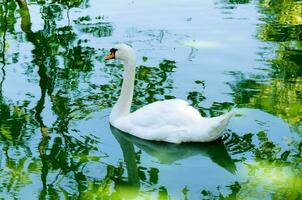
x: 56, y: 93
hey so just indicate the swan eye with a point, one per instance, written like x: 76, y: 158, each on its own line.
x: 113, y: 50
x: 111, y: 55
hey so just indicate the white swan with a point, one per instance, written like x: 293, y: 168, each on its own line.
x: 172, y: 121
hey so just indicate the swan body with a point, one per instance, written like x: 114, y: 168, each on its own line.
x: 173, y: 121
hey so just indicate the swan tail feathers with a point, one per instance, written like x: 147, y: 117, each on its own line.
x: 222, y: 122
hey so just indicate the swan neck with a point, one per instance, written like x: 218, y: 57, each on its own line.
x: 123, y: 105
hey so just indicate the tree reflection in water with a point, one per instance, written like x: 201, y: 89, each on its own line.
x: 62, y: 158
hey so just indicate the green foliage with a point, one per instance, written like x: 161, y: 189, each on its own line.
x: 98, y: 28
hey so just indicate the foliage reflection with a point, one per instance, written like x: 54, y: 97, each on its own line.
x: 50, y: 154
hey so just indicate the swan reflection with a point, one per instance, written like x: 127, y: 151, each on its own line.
x: 169, y: 153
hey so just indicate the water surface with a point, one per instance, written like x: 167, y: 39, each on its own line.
x: 56, y: 93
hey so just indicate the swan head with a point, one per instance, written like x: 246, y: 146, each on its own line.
x: 122, y: 52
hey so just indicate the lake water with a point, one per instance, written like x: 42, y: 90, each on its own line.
x: 56, y: 93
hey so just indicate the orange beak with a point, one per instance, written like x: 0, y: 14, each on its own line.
x: 110, y: 56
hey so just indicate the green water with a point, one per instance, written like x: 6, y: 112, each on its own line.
x: 56, y: 93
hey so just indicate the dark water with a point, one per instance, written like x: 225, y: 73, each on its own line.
x: 56, y: 93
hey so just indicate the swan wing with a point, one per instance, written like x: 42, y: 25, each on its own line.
x: 170, y: 113
x: 166, y: 120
